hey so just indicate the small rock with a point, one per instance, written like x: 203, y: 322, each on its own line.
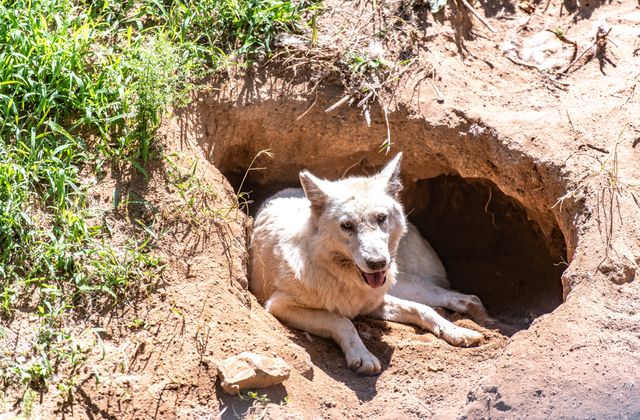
x: 329, y: 403
x: 491, y: 389
x: 250, y: 370
x: 476, y: 131
x: 434, y: 368
x: 619, y: 272
x: 471, y: 397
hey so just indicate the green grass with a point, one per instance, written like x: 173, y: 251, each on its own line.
x: 83, y: 87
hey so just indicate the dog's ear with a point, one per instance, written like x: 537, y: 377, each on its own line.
x: 312, y: 187
x: 390, y: 175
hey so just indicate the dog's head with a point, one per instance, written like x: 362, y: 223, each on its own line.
x: 359, y: 220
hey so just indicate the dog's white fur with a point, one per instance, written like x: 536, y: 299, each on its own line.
x: 312, y: 254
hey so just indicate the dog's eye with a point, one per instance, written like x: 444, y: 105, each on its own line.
x: 346, y: 225
x: 381, y: 218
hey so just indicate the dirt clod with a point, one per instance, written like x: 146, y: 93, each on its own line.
x: 250, y: 370
x: 619, y: 272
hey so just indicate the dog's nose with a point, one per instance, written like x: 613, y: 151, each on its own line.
x: 376, y: 265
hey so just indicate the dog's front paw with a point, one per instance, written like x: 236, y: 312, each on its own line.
x: 460, y: 337
x: 363, y: 362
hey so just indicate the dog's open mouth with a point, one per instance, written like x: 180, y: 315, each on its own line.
x: 374, y: 280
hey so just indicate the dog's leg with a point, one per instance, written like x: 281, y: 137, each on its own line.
x: 405, y: 311
x: 459, y: 302
x: 436, y: 296
x: 330, y: 325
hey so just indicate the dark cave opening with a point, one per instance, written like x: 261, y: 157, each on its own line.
x: 490, y: 247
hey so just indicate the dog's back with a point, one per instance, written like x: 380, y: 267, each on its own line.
x: 281, y: 218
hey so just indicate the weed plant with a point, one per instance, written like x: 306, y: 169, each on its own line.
x: 84, y: 85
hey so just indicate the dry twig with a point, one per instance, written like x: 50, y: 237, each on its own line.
x: 386, y: 145
x: 546, y: 75
x: 439, y: 96
x: 584, y: 143
x: 338, y: 104
x: 308, y: 109
x: 486, y: 208
x: 600, y: 38
x: 478, y: 16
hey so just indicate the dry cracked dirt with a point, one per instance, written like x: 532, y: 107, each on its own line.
x: 521, y: 167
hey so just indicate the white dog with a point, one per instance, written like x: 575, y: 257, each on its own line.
x: 338, y: 249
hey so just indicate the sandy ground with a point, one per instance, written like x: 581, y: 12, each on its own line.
x: 558, y: 154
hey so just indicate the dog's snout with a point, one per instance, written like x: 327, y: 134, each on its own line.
x: 376, y: 265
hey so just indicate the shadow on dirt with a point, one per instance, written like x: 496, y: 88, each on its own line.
x: 582, y: 10
x: 326, y: 355
x: 249, y: 402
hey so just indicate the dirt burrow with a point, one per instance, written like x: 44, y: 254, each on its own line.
x: 562, y: 201
x: 511, y: 252
x: 492, y: 212
x: 534, y: 215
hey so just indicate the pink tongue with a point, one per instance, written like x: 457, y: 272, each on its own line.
x: 375, y: 279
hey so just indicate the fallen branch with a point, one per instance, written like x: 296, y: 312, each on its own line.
x: 591, y: 146
x: 308, y: 109
x: 478, y: 16
x: 519, y: 62
x: 584, y: 143
x: 600, y: 35
x: 386, y: 145
x: 566, y: 69
x: 367, y: 114
x: 439, y: 96
x: 365, y: 99
x: 338, y: 104
x: 546, y: 75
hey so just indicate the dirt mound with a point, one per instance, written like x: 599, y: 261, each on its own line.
x: 524, y: 179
